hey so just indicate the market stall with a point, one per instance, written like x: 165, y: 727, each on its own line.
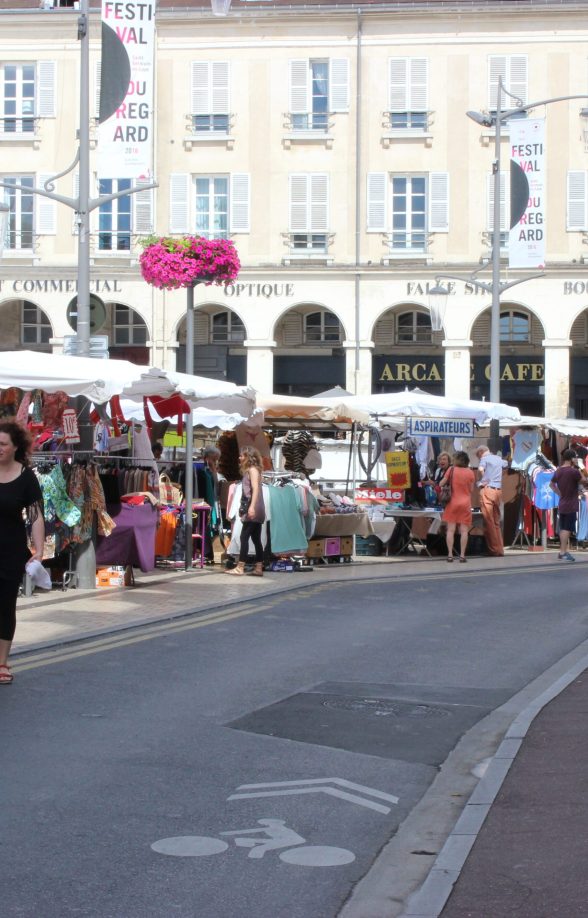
x: 116, y: 480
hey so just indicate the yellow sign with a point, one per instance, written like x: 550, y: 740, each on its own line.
x: 398, y: 470
x: 171, y: 438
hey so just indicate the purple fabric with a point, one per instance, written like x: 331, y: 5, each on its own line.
x: 133, y: 540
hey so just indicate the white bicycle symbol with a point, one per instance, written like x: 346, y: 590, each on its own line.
x: 277, y: 835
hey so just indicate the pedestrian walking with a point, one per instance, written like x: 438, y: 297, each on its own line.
x: 458, y: 512
x: 251, y: 510
x: 565, y: 482
x: 490, y: 469
x: 19, y: 491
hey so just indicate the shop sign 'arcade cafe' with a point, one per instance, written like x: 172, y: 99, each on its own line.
x: 396, y: 369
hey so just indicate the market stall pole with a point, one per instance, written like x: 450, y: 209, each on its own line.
x: 189, y: 427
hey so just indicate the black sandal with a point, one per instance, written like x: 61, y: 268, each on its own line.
x: 450, y: 559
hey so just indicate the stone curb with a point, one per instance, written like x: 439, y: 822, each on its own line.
x: 430, y: 900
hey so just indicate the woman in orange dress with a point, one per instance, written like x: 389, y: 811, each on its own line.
x: 458, y: 512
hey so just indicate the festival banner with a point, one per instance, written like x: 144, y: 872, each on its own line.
x: 125, y: 130
x: 526, y: 242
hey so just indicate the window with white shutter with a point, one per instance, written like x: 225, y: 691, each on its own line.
x: 504, y: 207
x: 114, y: 217
x: 408, y: 93
x: 408, y: 208
x: 35, y: 325
x: 210, y: 205
x: 21, y: 212
x: 18, y: 99
x: 513, y: 70
x: 210, y: 97
x: 577, y: 197
x: 309, y: 212
x: 317, y: 87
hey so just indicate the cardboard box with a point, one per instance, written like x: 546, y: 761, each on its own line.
x: 316, y: 548
x: 115, y: 576
x: 346, y: 545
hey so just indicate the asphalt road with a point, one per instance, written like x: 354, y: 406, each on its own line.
x: 123, y: 762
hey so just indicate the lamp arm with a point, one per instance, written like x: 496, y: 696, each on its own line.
x: 70, y: 202
x: 526, y: 108
x: 467, y: 280
x: 521, y: 280
x: 103, y: 199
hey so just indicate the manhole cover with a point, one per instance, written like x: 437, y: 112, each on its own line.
x: 379, y: 707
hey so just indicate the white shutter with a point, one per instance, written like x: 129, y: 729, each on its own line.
x: 201, y: 327
x: 179, y: 202
x: 339, y: 84
x: 504, y: 202
x: 240, y: 184
x: 142, y: 209
x: 384, y: 330
x: 398, y: 88
x: 219, y: 73
x: 46, y: 71
x: 319, y: 203
x: 513, y: 70
x: 377, y: 191
x: 200, y: 94
x: 291, y: 329
x: 517, y: 79
x: 419, y: 79
x: 299, y: 87
x: 299, y: 222
x: 439, y: 202
x: 576, y: 202
x: 497, y: 67
x: 97, y: 85
x: 76, y: 192
x: 46, y: 223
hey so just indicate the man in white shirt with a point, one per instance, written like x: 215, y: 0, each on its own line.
x: 490, y: 484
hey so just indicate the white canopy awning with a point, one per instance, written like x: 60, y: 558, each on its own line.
x: 310, y: 409
x: 421, y: 404
x: 100, y: 380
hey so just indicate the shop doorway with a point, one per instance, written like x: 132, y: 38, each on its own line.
x: 309, y: 356
x: 219, y: 351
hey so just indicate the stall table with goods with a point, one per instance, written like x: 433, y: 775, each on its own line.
x: 337, y: 522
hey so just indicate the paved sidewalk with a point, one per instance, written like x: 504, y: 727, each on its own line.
x: 50, y: 619
x: 529, y: 859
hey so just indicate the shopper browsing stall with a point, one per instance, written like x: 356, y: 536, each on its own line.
x: 458, y: 512
x: 565, y: 483
x: 490, y: 484
x: 19, y: 491
x: 251, y: 511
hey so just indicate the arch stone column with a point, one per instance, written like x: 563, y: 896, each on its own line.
x: 457, y: 368
x: 260, y: 365
x: 363, y: 384
x: 557, y: 377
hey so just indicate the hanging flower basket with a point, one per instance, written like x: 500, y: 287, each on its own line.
x: 188, y: 260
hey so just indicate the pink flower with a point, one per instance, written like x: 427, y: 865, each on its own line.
x: 172, y: 263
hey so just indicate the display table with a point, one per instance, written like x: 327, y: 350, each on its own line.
x: 133, y: 540
x: 413, y: 541
x: 343, y: 524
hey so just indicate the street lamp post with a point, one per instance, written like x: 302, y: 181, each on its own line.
x: 495, y: 287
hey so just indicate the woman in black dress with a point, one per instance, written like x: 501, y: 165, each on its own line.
x: 19, y: 491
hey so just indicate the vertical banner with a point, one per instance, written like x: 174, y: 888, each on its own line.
x: 526, y: 242
x: 125, y: 130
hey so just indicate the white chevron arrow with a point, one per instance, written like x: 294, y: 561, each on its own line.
x: 317, y: 786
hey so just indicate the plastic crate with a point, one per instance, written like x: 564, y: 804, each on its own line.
x: 368, y: 546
